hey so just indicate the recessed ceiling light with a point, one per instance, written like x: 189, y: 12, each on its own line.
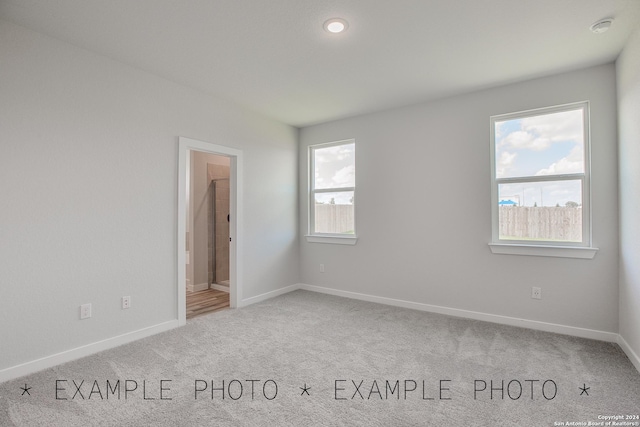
x: 335, y: 25
x: 601, y: 26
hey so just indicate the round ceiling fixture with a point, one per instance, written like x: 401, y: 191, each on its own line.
x: 335, y: 25
x: 601, y: 26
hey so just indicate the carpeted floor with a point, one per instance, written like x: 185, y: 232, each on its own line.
x: 307, y: 359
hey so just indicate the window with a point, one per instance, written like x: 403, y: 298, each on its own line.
x: 332, y: 192
x: 540, y: 180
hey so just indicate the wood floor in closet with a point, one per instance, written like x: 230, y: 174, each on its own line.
x: 207, y: 301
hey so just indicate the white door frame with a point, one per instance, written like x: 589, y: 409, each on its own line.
x: 185, y: 146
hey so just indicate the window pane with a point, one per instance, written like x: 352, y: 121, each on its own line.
x: 548, y: 144
x: 334, y: 213
x: 549, y: 211
x: 335, y: 166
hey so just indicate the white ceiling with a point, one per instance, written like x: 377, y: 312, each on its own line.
x: 275, y: 58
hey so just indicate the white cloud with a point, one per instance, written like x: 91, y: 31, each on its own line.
x: 525, y: 140
x: 345, y: 151
x: 573, y: 163
x: 499, y: 129
x: 335, y: 153
x: 505, y: 163
x: 563, y: 126
x: 334, y: 166
x: 345, y: 177
x: 537, y: 133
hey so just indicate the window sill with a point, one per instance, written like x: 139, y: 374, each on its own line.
x: 548, y: 251
x: 333, y: 240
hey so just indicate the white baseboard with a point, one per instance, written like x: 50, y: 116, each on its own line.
x: 220, y: 287
x: 493, y: 318
x: 632, y: 355
x: 269, y: 295
x: 82, y: 351
x: 198, y: 287
x: 33, y: 366
x: 86, y: 350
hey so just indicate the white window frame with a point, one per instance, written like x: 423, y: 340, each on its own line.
x: 582, y: 249
x: 332, y: 238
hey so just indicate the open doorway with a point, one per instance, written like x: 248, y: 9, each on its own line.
x: 207, y: 235
x: 209, y: 238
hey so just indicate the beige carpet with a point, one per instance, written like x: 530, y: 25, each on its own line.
x: 307, y: 359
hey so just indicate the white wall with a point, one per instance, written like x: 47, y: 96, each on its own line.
x: 628, y: 67
x: 88, y: 186
x: 417, y: 165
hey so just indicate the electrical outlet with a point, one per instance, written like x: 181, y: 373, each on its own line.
x: 536, y: 292
x: 321, y: 268
x: 85, y: 311
x: 126, y: 302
